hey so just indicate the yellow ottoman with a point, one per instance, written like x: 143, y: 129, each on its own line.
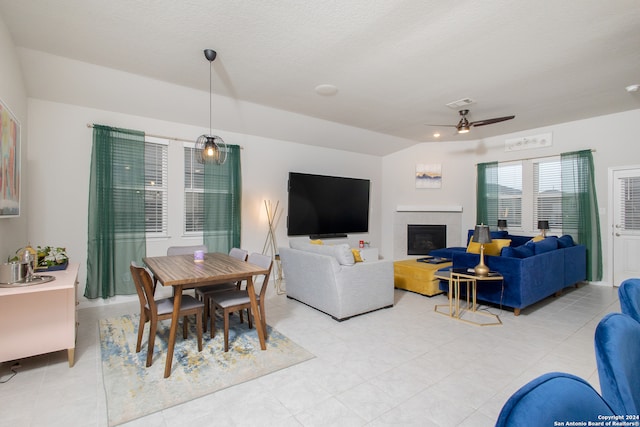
x: 415, y: 276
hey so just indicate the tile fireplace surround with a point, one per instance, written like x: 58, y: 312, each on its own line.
x: 451, y: 216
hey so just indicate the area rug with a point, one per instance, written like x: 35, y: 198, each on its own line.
x: 134, y: 390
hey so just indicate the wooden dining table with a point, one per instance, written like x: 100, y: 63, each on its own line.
x: 181, y: 271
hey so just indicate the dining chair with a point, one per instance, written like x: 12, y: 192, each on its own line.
x: 629, y: 296
x: 203, y: 292
x: 551, y: 398
x: 153, y: 311
x: 617, y: 343
x: 238, y: 300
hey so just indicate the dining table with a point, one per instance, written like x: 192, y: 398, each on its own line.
x: 184, y: 272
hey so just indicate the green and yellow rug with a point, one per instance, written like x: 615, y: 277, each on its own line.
x: 134, y: 390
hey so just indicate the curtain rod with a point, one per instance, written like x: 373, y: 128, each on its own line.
x: 171, y: 138
x: 534, y: 158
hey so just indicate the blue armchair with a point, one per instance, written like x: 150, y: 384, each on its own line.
x: 617, y: 342
x: 629, y: 294
x: 553, y: 397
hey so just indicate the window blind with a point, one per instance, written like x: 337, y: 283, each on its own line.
x: 629, y: 204
x: 547, y: 193
x: 156, y: 186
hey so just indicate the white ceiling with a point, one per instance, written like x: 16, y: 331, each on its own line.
x: 396, y: 63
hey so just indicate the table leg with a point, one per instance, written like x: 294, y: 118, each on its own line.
x: 475, y: 287
x: 450, y: 296
x: 177, y: 301
x: 255, y: 312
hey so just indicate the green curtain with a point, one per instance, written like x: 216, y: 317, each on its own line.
x: 116, y: 233
x: 222, y: 199
x: 487, y: 194
x: 580, y: 207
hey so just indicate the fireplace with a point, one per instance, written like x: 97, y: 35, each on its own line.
x: 422, y: 239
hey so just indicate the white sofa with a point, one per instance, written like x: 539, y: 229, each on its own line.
x: 326, y: 278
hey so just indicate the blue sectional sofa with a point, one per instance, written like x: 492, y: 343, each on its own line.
x: 532, y: 271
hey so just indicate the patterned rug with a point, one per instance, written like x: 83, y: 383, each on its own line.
x: 134, y: 391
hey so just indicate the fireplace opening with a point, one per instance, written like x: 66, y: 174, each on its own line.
x: 422, y: 239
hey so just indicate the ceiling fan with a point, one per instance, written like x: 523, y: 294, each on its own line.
x: 464, y: 125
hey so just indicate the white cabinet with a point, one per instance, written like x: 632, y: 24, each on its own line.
x: 369, y: 254
x: 40, y: 318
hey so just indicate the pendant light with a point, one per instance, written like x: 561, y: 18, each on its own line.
x: 212, y: 148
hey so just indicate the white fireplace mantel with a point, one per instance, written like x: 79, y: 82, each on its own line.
x: 429, y: 208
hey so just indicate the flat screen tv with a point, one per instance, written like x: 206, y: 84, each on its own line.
x: 327, y: 206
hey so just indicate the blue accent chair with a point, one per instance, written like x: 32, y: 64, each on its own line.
x: 552, y: 397
x: 617, y: 342
x: 629, y: 294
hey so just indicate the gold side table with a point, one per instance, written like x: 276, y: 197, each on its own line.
x: 457, y: 277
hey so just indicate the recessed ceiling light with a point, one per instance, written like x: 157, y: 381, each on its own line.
x: 436, y: 135
x: 633, y: 88
x: 326, y: 90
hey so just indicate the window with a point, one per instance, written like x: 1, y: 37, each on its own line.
x: 629, y: 203
x: 155, y: 186
x: 510, y: 193
x: 193, y: 192
x: 547, y: 193
x: 528, y: 191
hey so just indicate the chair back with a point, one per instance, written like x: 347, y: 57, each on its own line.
x: 143, y: 279
x: 552, y: 397
x: 629, y: 295
x: 617, y: 342
x: 265, y: 262
x: 238, y: 253
x: 185, y: 250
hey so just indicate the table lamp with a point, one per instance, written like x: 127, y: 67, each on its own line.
x: 543, y: 226
x: 502, y: 224
x: 482, y: 235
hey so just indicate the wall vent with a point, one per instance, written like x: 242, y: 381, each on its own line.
x: 461, y: 103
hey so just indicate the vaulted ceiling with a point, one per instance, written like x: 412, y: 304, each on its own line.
x: 396, y: 64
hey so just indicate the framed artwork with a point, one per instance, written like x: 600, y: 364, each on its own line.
x: 9, y: 163
x: 429, y: 176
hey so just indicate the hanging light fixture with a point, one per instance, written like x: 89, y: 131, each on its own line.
x: 212, y: 148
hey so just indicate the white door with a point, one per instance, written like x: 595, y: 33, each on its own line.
x: 626, y: 224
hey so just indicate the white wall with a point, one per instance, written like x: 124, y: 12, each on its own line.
x: 60, y: 161
x: 613, y: 137
x: 13, y: 231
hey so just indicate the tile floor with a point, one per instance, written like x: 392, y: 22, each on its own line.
x: 401, y: 366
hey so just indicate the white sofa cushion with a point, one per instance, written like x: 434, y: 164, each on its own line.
x: 342, y: 253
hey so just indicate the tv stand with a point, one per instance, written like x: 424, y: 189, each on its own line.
x: 328, y: 236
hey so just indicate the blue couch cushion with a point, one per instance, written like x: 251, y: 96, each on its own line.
x: 545, y: 245
x: 523, y: 251
x: 565, y: 241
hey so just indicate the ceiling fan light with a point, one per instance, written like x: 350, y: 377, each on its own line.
x: 463, y: 129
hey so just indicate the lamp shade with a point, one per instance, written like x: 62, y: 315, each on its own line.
x: 502, y: 223
x: 543, y: 225
x: 481, y: 234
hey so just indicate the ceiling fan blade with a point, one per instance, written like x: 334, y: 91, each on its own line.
x: 449, y: 126
x: 491, y: 121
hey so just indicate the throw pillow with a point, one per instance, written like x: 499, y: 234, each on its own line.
x: 343, y: 254
x: 523, y: 251
x: 316, y: 242
x: 356, y: 255
x: 546, y: 245
x: 537, y: 238
x: 492, y: 248
x: 565, y: 241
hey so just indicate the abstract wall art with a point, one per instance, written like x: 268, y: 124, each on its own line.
x: 429, y: 176
x: 9, y: 163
